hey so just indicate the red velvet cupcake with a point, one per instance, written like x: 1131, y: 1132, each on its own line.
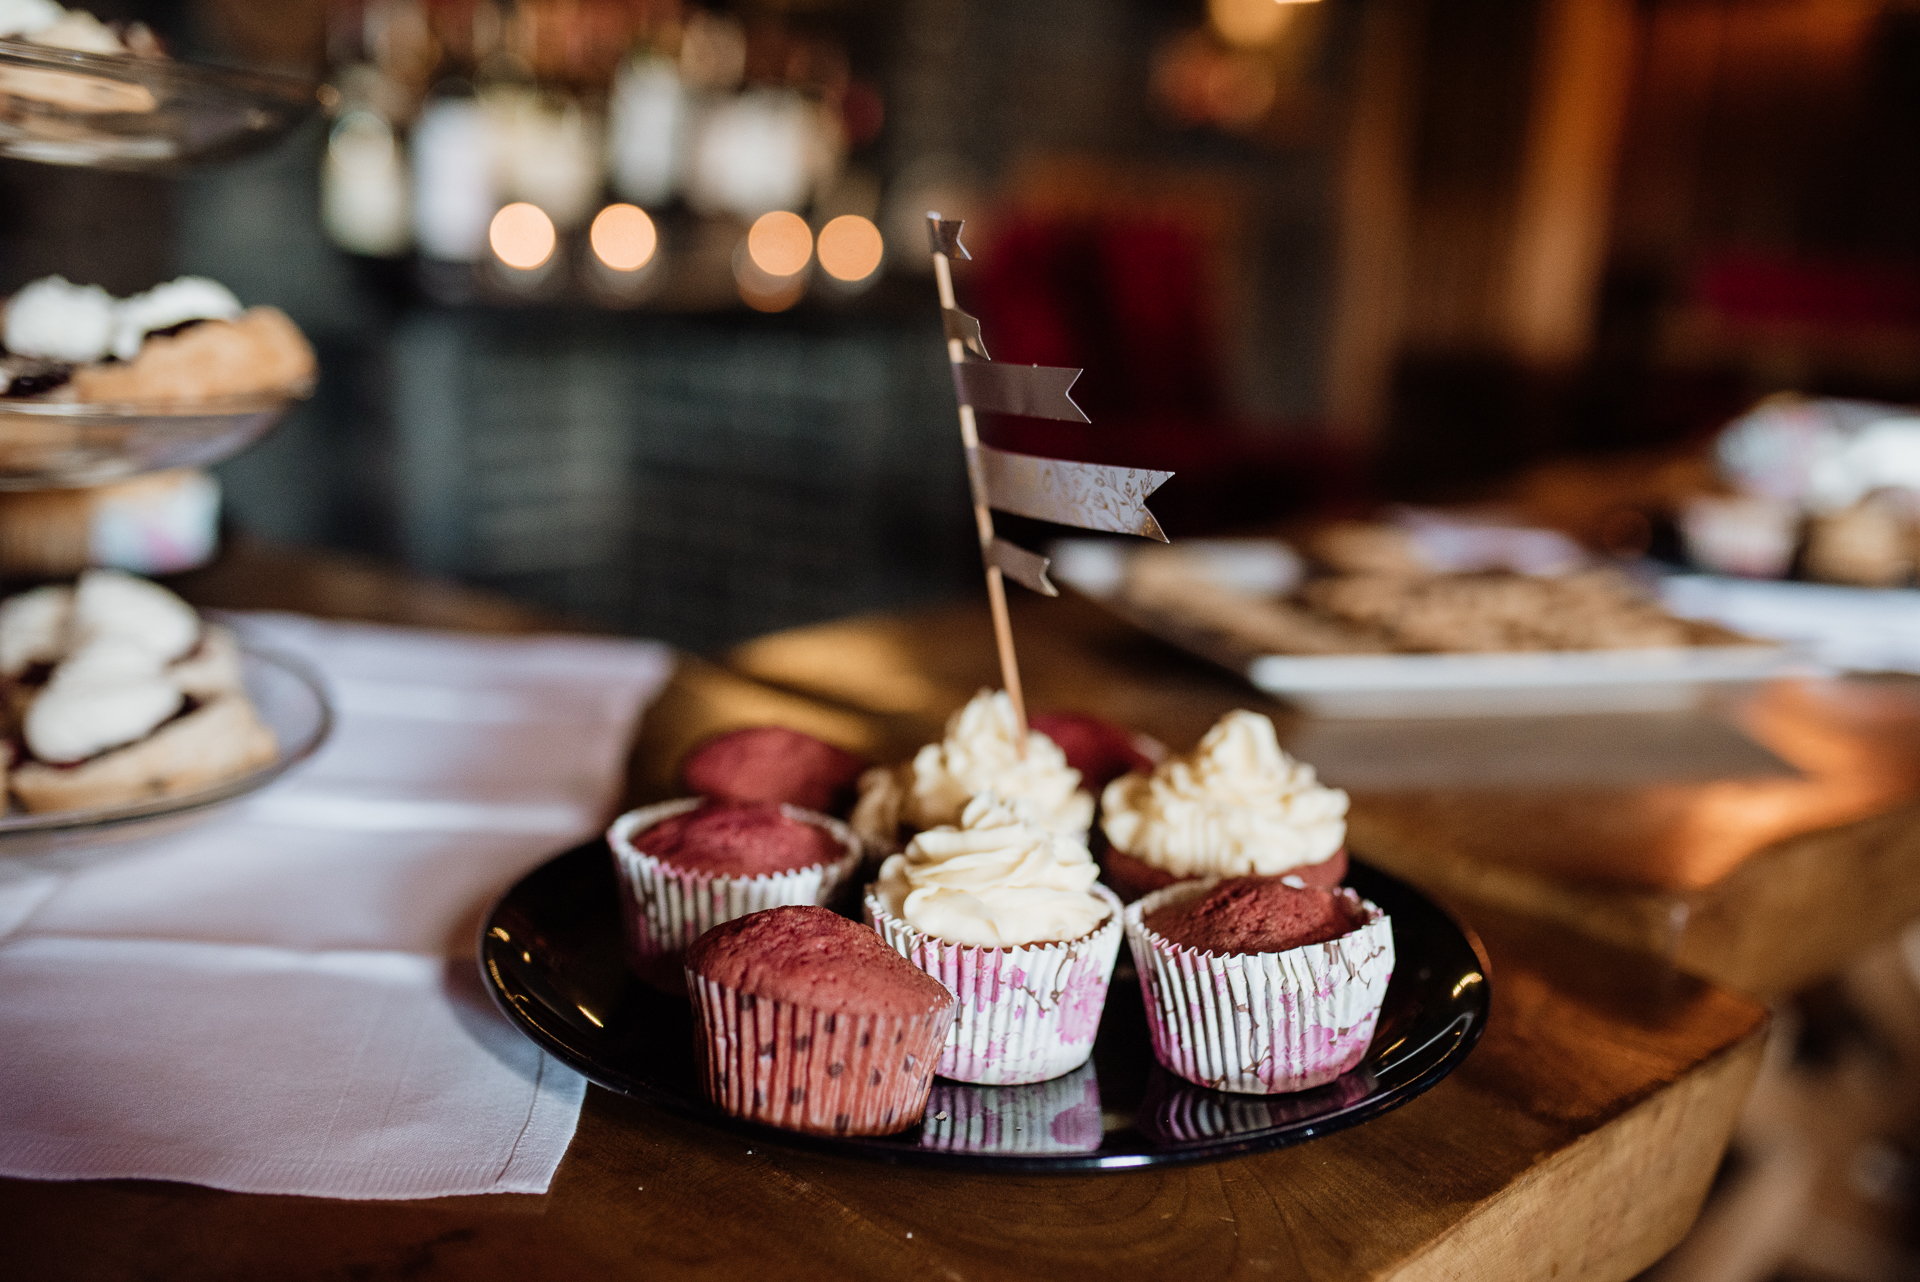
x: 809, y: 1022
x: 1099, y: 750
x: 773, y: 763
x: 1258, y: 986
x: 686, y: 866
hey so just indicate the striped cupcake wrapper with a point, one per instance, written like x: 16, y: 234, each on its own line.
x: 1060, y: 1116
x: 664, y: 909
x: 804, y: 1069
x: 1261, y: 1023
x: 1026, y: 1014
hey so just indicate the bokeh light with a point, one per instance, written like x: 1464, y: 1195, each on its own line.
x: 521, y: 235
x: 623, y: 237
x: 850, y: 248
x: 780, y: 243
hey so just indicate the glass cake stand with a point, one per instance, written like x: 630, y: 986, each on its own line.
x: 291, y: 700
x: 49, y: 445
x: 149, y: 115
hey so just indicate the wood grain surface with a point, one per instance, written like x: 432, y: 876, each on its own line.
x: 1576, y: 1142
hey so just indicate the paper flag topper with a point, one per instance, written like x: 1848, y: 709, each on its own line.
x: 1091, y: 496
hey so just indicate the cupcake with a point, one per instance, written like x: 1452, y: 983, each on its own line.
x: 1008, y: 915
x: 980, y: 751
x: 1235, y: 806
x: 1259, y: 986
x: 807, y: 1021
x: 686, y: 866
x: 1098, y: 749
x: 773, y: 763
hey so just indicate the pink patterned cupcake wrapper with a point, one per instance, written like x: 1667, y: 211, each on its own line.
x: 666, y: 908
x: 1261, y: 1023
x: 804, y: 1069
x: 1026, y: 1014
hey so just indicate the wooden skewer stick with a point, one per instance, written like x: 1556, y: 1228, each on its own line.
x: 983, y: 522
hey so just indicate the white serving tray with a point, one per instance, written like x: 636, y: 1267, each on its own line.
x: 1658, y: 679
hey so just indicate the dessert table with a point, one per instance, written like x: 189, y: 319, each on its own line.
x: 1577, y: 1141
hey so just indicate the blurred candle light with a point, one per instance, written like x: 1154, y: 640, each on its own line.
x: 780, y: 243
x: 623, y: 237
x: 1250, y: 24
x: 850, y: 248
x: 521, y: 235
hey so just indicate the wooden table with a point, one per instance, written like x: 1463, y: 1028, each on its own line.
x: 1673, y: 834
x: 1576, y: 1142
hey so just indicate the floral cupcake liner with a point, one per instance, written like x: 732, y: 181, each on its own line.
x: 804, y: 1069
x: 1261, y: 1023
x: 664, y: 908
x: 1026, y: 1014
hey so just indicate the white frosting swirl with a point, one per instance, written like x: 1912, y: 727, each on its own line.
x: 58, y: 320
x: 998, y: 880
x: 979, y: 752
x: 1235, y: 805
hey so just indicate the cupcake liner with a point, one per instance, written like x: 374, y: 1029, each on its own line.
x: 1026, y: 1014
x: 1261, y: 1023
x: 664, y: 909
x: 804, y: 1069
x: 1060, y: 1116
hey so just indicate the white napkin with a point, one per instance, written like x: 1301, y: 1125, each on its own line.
x: 284, y: 998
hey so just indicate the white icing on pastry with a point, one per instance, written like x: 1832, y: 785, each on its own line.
x: 185, y: 299
x: 61, y: 321
x: 1235, y: 805
x: 27, y: 17
x: 979, y: 752
x: 80, y: 31
x: 998, y: 880
x: 35, y: 627
x: 112, y: 603
x: 87, y: 711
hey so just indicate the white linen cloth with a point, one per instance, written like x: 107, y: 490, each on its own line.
x: 1852, y: 629
x: 284, y: 999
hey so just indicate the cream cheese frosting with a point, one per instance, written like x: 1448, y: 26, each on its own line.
x: 113, y: 603
x: 1236, y: 805
x: 58, y: 320
x: 34, y: 628
x: 997, y: 880
x: 26, y: 17
x: 114, y: 636
x: 105, y: 701
x: 185, y: 299
x: 980, y: 751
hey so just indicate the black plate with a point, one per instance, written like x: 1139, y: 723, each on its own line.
x: 550, y: 951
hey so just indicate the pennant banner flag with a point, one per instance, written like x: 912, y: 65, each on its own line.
x: 1091, y: 496
x: 1036, y: 391
x: 945, y: 235
x: 966, y: 329
x: 1028, y: 569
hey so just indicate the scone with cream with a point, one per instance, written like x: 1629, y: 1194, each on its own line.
x: 1009, y: 915
x: 182, y: 343
x: 979, y: 752
x: 1237, y: 805
x: 51, y: 26
x: 119, y: 693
